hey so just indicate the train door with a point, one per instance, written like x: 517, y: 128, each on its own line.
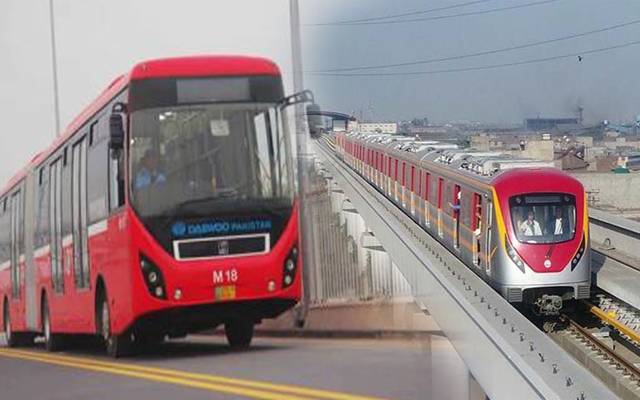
x: 457, y: 194
x: 79, y: 210
x: 412, y: 182
x: 403, y: 191
x: 389, y: 176
x: 476, y: 227
x: 395, y: 181
x: 425, y: 190
x: 440, y: 189
x: 489, y: 237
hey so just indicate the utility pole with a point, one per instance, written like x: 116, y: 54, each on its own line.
x: 304, y: 160
x: 54, y: 63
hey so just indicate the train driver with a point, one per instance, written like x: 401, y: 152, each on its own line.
x: 558, y: 225
x: 149, y: 174
x: 530, y: 227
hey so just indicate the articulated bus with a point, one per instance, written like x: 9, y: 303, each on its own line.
x: 166, y: 207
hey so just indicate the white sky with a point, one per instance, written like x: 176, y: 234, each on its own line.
x: 100, y: 39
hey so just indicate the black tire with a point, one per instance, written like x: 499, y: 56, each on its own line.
x: 14, y: 339
x: 116, y: 345
x: 52, y: 341
x: 239, y: 333
x: 149, y: 338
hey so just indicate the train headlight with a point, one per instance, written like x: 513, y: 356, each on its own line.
x: 579, y: 254
x: 290, y: 267
x: 513, y: 255
x: 152, y: 278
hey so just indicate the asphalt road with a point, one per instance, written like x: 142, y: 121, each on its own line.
x: 202, y: 367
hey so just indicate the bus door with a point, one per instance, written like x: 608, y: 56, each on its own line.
x: 79, y: 212
x: 31, y: 298
x: 17, y: 229
x: 55, y: 224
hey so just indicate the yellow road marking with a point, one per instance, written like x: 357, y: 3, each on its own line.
x: 247, y: 388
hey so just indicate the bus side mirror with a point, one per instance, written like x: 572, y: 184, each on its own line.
x: 116, y: 127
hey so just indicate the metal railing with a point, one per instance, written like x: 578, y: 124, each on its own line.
x: 350, y: 263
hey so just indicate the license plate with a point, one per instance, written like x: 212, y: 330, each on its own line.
x: 226, y: 292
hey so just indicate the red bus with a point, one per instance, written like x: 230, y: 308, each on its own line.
x: 166, y: 207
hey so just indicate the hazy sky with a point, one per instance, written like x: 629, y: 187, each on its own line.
x: 605, y: 84
x: 100, y: 39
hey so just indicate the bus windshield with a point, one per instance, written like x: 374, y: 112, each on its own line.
x: 208, y: 158
x: 543, y: 218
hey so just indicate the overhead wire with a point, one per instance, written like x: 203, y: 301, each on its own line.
x: 408, y: 14
x: 440, y: 17
x: 481, y: 53
x: 482, y: 67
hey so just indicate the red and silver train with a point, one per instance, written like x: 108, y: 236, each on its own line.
x: 520, y: 224
x: 166, y: 207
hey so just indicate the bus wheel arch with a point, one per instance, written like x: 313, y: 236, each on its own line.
x: 5, y: 313
x: 101, y: 293
x: 117, y: 345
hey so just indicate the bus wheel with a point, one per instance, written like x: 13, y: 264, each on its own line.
x: 8, y: 331
x: 116, y: 345
x: 149, y: 338
x: 52, y: 341
x: 14, y: 339
x: 239, y: 333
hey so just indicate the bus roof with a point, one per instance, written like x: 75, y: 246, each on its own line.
x: 190, y: 66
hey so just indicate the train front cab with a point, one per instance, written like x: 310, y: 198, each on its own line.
x: 534, y: 264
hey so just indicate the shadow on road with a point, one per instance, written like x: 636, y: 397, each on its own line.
x: 192, y: 347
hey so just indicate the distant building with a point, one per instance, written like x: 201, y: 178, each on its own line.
x: 551, y: 124
x: 376, y: 127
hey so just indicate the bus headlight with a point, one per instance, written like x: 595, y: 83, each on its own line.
x: 290, y: 268
x: 152, y: 278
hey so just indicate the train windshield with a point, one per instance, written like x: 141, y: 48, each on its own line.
x: 543, y: 218
x: 209, y: 158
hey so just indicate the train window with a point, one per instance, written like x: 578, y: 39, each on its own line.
x: 476, y: 213
x: 543, y: 218
x: 413, y: 171
x: 404, y: 173
x: 396, y: 172
x: 425, y: 194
